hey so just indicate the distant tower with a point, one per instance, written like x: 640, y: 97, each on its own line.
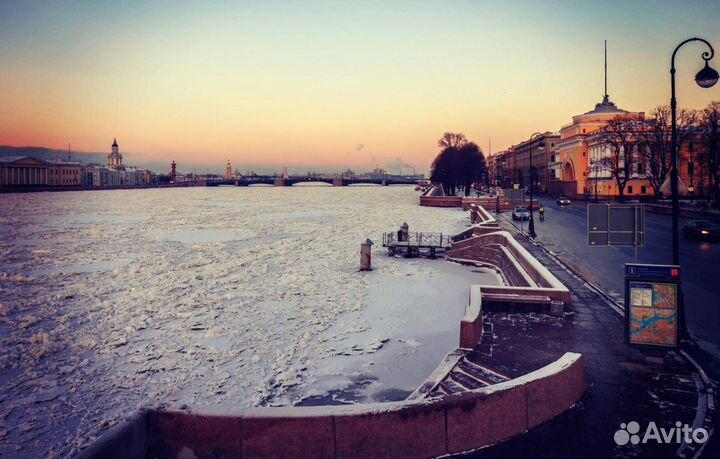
x: 173, y: 172
x: 228, y: 170
x: 285, y: 174
x: 114, y: 160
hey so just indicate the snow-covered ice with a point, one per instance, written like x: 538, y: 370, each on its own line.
x: 111, y: 300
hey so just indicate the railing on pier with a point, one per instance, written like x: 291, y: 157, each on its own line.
x: 421, y: 240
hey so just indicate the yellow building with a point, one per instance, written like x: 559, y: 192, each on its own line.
x: 573, y: 146
x: 600, y: 180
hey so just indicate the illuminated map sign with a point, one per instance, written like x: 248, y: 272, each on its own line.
x: 651, y: 304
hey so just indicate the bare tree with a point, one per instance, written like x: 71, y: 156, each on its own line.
x: 458, y: 165
x: 623, y: 136
x: 452, y: 140
x: 709, y: 129
x: 657, y: 137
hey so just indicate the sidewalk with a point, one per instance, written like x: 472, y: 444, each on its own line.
x: 623, y: 385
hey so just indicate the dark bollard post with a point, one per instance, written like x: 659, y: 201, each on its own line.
x: 366, y: 255
x: 405, y: 231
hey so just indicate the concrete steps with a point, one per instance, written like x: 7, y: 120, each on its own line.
x: 467, y: 375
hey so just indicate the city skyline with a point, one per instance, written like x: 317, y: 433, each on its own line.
x: 311, y: 85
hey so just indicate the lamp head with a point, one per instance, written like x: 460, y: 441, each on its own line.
x: 707, y: 77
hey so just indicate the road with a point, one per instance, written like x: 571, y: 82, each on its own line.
x: 564, y: 232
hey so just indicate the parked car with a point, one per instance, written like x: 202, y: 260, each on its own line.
x: 563, y: 201
x: 702, y: 230
x: 521, y: 213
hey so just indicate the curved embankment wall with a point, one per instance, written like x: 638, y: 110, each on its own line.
x: 527, y: 280
x: 522, y: 271
x: 441, y: 201
x: 466, y: 202
x: 413, y: 429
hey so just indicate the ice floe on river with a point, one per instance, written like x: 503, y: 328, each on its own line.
x: 111, y: 300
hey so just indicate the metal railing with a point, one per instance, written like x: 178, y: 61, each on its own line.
x: 437, y: 240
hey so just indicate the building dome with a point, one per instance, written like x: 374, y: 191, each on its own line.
x: 605, y: 108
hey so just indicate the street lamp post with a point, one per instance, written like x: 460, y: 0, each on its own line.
x: 701, y: 187
x: 498, y: 184
x: 705, y: 78
x: 531, y: 223
x: 691, y: 171
x: 594, y: 168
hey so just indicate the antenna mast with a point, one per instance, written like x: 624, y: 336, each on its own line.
x: 606, y: 92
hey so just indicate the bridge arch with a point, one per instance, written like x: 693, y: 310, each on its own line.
x: 314, y: 182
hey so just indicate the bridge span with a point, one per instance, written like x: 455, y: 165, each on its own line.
x: 289, y: 181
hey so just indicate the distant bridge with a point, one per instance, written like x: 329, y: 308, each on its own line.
x: 290, y: 181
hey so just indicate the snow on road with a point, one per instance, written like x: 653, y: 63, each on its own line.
x: 111, y: 300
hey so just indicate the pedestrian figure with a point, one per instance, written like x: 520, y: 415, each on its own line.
x: 542, y: 212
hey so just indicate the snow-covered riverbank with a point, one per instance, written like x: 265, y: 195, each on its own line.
x: 110, y: 300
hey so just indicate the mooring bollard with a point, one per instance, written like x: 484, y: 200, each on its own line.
x: 366, y: 255
x: 557, y: 308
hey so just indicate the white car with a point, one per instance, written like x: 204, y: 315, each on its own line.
x: 521, y: 213
x: 563, y: 201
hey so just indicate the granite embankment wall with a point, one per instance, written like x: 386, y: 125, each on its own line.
x: 522, y: 272
x: 441, y: 201
x: 466, y: 202
x: 526, y: 280
x: 409, y: 429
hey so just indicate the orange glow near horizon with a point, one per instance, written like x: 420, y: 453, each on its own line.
x: 313, y: 85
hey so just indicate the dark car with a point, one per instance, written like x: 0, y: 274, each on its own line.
x: 521, y: 213
x: 702, y: 230
x: 563, y: 201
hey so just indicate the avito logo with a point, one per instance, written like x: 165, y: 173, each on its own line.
x: 630, y: 433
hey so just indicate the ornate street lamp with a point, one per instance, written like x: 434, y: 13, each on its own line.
x: 531, y: 223
x: 705, y: 78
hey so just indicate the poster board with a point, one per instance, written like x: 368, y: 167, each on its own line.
x: 652, y: 306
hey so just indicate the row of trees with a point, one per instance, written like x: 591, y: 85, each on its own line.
x: 459, y: 164
x: 644, y: 146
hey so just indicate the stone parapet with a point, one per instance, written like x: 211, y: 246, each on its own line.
x: 441, y: 201
x: 409, y: 429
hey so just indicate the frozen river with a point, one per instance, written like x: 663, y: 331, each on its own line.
x: 111, y: 300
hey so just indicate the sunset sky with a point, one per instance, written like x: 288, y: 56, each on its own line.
x: 317, y: 85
